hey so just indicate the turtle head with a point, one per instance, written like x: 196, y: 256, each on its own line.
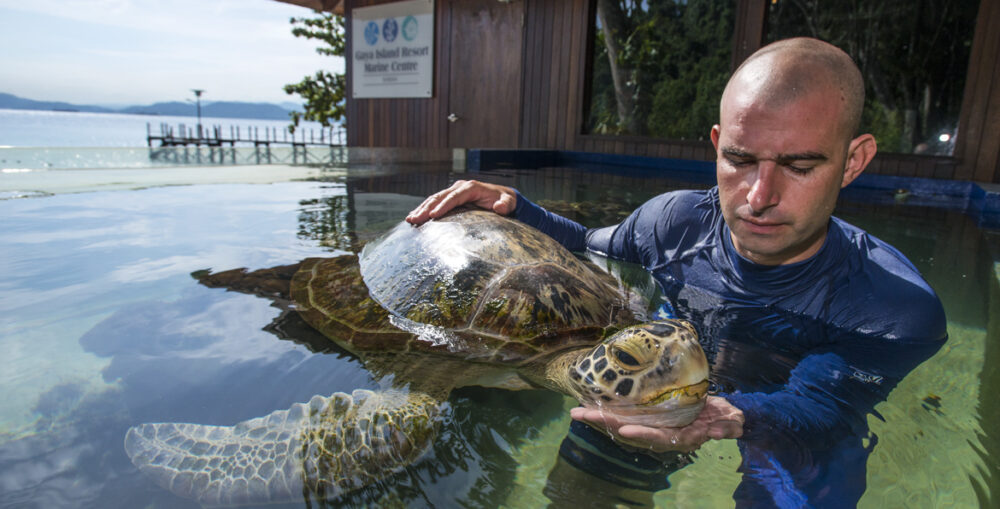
x: 651, y: 374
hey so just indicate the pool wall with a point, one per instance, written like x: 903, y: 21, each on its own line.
x: 981, y: 201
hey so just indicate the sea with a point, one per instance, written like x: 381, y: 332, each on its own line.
x: 37, y: 141
x: 59, y: 129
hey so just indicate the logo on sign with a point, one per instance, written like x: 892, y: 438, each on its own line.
x: 389, y: 30
x: 410, y: 28
x: 371, y: 33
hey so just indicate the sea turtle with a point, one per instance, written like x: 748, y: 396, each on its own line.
x: 471, y: 298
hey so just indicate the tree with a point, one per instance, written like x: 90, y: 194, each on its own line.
x: 616, y: 33
x: 694, y: 43
x: 323, y: 92
x: 912, y: 53
x: 659, y: 67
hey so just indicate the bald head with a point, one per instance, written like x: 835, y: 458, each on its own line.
x: 785, y: 71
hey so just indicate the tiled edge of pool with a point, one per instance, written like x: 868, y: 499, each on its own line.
x: 981, y: 201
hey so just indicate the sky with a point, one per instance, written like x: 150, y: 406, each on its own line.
x: 125, y: 52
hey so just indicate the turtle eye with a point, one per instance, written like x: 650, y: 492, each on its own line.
x: 626, y: 358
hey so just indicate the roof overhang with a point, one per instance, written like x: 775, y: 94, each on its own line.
x: 334, y: 6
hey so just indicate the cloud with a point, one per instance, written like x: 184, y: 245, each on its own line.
x: 222, y: 20
x: 116, y: 51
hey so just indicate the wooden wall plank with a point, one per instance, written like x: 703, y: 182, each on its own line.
x: 437, y: 124
x: 525, y: 70
x: 552, y: 53
x: 532, y: 67
x: 908, y: 168
x: 414, y: 125
x: 973, y: 115
x: 545, y: 74
x: 584, y: 14
x: 561, y: 84
x: 922, y: 168
x: 574, y: 106
x: 748, y: 31
x: 988, y: 151
x: 528, y: 88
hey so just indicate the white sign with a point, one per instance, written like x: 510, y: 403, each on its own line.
x: 392, y: 50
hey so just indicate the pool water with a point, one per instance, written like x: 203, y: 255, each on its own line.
x: 102, y: 327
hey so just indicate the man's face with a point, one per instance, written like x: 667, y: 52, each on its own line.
x: 779, y: 172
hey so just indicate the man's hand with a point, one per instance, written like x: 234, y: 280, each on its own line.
x: 499, y: 199
x: 718, y: 420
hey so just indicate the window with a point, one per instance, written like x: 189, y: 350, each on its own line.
x: 659, y: 68
x: 912, y: 53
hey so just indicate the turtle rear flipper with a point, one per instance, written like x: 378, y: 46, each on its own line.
x: 320, y: 449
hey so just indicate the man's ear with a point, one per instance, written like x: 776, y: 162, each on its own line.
x: 715, y: 136
x: 860, y: 152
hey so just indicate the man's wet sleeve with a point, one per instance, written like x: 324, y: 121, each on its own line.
x: 831, y: 393
x: 570, y: 234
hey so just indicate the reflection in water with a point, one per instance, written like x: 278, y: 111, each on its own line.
x: 188, y: 358
x: 326, y: 220
x: 92, y: 355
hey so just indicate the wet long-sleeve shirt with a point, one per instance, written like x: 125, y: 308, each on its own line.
x: 805, y: 350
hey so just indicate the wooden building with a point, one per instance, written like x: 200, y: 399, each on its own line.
x: 515, y: 74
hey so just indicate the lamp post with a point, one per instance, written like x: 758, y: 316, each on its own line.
x: 197, y: 97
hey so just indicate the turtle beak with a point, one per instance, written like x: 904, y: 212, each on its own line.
x: 686, y: 395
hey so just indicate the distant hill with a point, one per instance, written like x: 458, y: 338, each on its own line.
x: 175, y: 108
x: 223, y: 109
x: 14, y: 102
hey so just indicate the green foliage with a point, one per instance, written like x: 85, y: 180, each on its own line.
x: 677, y: 54
x: 324, y: 92
x: 324, y: 98
x: 684, y: 108
x: 913, y: 55
x: 885, y: 123
x: 676, y: 57
x: 603, y: 116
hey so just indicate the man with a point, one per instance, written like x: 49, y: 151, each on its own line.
x: 771, y: 280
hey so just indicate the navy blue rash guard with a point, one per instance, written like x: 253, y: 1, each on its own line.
x: 805, y: 350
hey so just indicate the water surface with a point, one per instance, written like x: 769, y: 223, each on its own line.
x: 102, y: 327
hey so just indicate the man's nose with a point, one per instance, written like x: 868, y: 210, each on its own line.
x: 764, y: 192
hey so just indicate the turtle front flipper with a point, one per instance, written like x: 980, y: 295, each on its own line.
x: 320, y: 449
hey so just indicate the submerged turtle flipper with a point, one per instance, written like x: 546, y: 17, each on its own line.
x: 319, y: 449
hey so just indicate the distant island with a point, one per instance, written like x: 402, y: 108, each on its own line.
x: 218, y: 109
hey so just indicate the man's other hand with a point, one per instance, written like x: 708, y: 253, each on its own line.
x: 499, y: 199
x: 718, y: 420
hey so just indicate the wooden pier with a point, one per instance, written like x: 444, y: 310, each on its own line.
x: 251, y: 145
x: 214, y: 136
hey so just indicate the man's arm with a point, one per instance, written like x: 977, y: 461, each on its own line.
x: 831, y: 392
x: 504, y: 201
